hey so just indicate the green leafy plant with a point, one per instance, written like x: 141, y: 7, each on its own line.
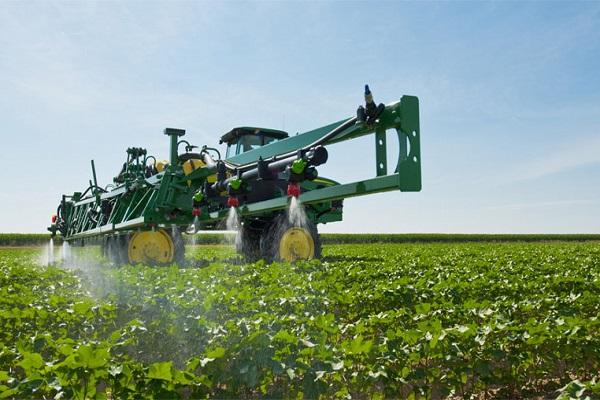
x: 481, y: 320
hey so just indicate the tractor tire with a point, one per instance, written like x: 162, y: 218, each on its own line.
x: 285, y: 241
x: 159, y: 247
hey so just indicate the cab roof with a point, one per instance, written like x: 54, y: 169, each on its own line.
x: 233, y: 135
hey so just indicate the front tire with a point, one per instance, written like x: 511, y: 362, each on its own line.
x: 156, y: 247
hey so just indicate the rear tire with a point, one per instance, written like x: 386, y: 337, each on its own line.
x: 283, y: 241
x: 116, y: 249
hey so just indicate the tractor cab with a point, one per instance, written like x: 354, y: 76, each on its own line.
x: 243, y: 139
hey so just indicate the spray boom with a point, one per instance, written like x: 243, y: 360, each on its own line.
x: 261, y: 170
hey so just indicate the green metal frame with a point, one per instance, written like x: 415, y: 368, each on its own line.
x: 165, y: 199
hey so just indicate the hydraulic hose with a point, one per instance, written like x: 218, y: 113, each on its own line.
x: 208, y: 160
x: 91, y: 187
x: 205, y: 156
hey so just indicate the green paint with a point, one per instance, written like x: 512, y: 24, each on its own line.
x: 198, y: 197
x: 235, y: 183
x: 298, y: 166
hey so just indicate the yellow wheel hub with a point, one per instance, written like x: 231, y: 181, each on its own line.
x: 296, y: 244
x: 153, y: 247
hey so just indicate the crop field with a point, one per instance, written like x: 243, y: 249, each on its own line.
x: 36, y: 239
x: 379, y: 320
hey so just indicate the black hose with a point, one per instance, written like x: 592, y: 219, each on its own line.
x: 205, y: 148
x: 146, y: 160
x: 91, y: 187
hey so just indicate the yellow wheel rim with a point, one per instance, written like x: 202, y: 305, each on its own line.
x: 296, y: 244
x: 153, y: 247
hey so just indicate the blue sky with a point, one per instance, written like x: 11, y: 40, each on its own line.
x: 509, y: 94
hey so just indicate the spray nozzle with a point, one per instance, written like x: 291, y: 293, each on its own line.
x: 368, y: 95
x: 235, y: 183
x: 298, y: 166
x: 370, y: 112
x: 293, y: 189
x: 233, y: 201
x: 198, y: 197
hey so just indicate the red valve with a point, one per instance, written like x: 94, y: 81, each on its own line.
x: 233, y: 201
x: 293, y: 190
x: 196, y: 211
x: 54, y: 219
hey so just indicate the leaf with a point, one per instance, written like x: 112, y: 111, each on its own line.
x: 433, y: 341
x: 336, y: 366
x: 422, y: 308
x: 319, y: 375
x: 115, y: 370
x: 92, y: 358
x: 358, y: 346
x: 290, y: 373
x: 161, y: 370
x: 65, y: 349
x: 205, y: 361
x: 216, y: 353
x: 285, y: 337
x: 377, y: 374
x: 462, y: 328
x: 31, y: 361
x: 8, y: 393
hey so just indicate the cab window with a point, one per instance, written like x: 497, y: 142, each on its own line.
x: 249, y: 142
x: 246, y: 143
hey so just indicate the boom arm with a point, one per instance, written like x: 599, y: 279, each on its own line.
x: 402, y: 116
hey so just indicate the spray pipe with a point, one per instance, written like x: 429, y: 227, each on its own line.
x: 312, y: 157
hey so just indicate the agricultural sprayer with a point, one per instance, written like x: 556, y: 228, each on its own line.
x: 141, y: 216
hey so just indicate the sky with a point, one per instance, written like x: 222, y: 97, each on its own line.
x: 509, y: 100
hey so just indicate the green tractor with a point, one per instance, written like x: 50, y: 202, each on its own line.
x: 267, y: 188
